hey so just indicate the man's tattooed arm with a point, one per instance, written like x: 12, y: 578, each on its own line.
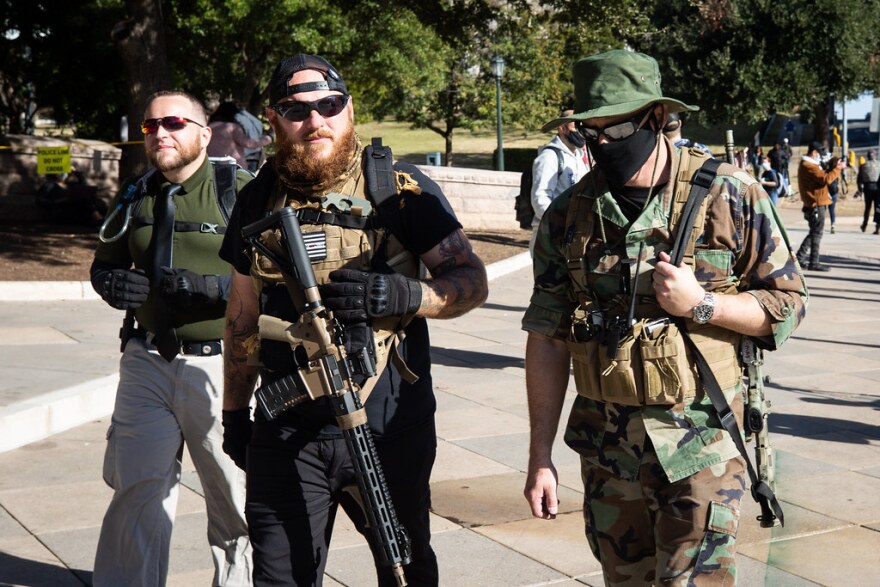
x: 458, y: 279
x: 242, y: 312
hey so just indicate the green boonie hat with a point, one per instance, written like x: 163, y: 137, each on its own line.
x: 615, y: 83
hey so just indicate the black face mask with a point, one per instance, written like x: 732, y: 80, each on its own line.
x: 576, y: 139
x: 620, y: 160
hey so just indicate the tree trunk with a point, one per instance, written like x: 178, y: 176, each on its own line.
x: 820, y: 125
x: 140, y: 40
x: 447, y: 157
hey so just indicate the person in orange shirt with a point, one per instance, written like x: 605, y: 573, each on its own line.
x: 813, y: 183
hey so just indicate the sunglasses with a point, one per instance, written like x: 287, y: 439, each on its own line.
x: 617, y: 131
x: 169, y: 123
x: 298, y: 111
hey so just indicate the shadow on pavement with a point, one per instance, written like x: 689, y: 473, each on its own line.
x: 481, y: 360
x: 504, y: 307
x: 19, y: 571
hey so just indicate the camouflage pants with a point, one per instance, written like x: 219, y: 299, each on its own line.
x: 649, y: 531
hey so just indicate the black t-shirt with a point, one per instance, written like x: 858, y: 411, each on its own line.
x: 420, y: 222
x: 632, y: 200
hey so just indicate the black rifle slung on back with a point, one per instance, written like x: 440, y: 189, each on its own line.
x: 329, y: 372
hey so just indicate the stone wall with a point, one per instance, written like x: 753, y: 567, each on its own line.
x: 97, y: 160
x: 482, y: 199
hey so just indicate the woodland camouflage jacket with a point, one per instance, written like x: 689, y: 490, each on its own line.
x: 743, y: 247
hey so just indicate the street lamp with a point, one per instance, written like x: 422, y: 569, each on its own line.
x: 498, y: 70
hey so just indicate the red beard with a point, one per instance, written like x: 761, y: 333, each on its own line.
x: 296, y: 164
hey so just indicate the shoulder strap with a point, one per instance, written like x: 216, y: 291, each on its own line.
x: 559, y: 157
x: 685, y: 236
x: 140, y: 189
x: 579, y: 221
x: 379, y: 172
x: 225, y: 186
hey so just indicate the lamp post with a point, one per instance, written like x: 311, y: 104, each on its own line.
x: 498, y: 70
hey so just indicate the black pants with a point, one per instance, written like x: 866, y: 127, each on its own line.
x: 808, y: 253
x: 295, y: 484
x: 872, y: 205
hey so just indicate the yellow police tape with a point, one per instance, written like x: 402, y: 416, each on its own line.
x: 76, y: 143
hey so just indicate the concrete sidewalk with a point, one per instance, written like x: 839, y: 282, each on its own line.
x: 58, y: 370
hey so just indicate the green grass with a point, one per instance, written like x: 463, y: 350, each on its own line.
x: 475, y: 148
x: 469, y: 148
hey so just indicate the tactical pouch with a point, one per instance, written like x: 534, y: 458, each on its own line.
x: 650, y: 368
x: 620, y: 377
x: 665, y: 368
x: 584, y: 358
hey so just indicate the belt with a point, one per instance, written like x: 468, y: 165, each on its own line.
x: 194, y: 348
x: 200, y: 348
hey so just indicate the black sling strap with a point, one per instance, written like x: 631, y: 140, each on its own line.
x: 761, y: 491
x: 700, y: 184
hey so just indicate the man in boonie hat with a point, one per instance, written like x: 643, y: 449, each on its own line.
x: 663, y: 478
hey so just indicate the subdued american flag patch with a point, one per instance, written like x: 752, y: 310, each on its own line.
x: 316, y: 245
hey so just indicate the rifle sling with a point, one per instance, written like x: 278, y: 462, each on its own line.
x: 700, y: 184
x: 352, y: 420
x: 761, y: 491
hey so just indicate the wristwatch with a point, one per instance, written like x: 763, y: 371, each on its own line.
x: 704, y: 311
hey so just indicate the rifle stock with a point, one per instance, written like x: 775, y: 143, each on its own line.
x: 328, y: 371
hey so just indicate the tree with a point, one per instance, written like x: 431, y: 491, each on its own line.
x: 536, y: 67
x: 25, y: 27
x: 741, y: 60
x: 229, y: 48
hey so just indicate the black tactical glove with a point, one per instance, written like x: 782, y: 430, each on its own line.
x: 237, y: 426
x: 124, y: 289
x: 354, y: 296
x: 183, y: 288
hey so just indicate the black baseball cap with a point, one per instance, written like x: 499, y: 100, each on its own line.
x: 278, y: 88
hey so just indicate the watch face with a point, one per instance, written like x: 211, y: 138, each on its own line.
x: 702, y: 313
x: 705, y: 310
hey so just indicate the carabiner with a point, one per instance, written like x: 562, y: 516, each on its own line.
x: 107, y: 220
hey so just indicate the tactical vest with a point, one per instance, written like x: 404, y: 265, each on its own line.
x: 347, y: 230
x: 652, y: 365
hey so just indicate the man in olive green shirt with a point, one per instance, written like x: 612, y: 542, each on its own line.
x: 176, y: 287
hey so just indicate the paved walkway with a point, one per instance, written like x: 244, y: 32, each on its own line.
x: 58, y: 368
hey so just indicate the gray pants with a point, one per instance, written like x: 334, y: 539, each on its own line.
x: 159, y: 406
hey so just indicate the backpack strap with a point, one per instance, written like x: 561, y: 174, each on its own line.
x: 225, y: 185
x: 579, y: 223
x: 559, y: 158
x: 684, y: 239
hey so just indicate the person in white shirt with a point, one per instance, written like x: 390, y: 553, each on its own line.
x: 560, y: 164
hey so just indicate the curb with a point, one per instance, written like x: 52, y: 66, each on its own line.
x: 509, y: 265
x: 50, y: 413
x: 43, y: 291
